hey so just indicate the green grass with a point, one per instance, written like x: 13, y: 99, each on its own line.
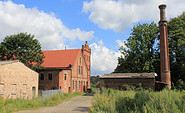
x: 143, y: 101
x: 12, y: 105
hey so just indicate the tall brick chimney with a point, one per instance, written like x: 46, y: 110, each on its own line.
x: 164, y: 52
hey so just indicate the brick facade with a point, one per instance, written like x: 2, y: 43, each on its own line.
x: 17, y: 80
x: 72, y: 77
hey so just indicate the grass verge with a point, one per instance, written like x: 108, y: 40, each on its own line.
x: 12, y: 105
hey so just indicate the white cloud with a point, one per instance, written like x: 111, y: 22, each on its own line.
x: 120, y: 43
x: 49, y: 30
x: 120, y: 14
x: 103, y: 59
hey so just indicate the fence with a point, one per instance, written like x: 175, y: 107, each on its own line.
x: 47, y: 93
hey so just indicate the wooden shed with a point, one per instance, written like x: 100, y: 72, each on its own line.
x: 119, y: 80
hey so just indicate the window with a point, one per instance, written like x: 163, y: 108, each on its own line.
x: 81, y: 70
x: 50, y: 76
x: 65, y: 76
x: 78, y: 69
x: 41, y: 76
x: 73, y: 85
x: 80, y: 60
x: 84, y: 83
x: 79, y: 85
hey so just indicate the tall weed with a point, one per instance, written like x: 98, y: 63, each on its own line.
x: 140, y: 101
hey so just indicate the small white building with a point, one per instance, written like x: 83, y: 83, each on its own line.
x: 17, y: 80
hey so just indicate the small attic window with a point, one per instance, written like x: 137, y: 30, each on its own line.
x: 65, y: 77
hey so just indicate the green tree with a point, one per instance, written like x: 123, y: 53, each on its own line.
x: 140, y: 54
x: 22, y: 47
x: 176, y: 37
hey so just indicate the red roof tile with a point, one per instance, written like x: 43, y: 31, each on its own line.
x: 60, y: 58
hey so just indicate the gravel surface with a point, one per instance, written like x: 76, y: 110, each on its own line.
x: 79, y: 104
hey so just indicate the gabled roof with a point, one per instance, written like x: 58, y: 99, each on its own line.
x: 8, y: 62
x: 60, y: 58
x: 129, y: 75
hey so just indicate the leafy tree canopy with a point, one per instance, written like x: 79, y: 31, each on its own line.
x: 22, y: 47
x: 176, y: 37
x: 139, y: 56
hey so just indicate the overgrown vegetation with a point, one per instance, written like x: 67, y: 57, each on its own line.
x: 10, y: 105
x: 140, y: 101
x: 94, y: 84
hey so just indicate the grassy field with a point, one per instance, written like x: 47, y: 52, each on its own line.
x: 143, y: 101
x: 10, y: 105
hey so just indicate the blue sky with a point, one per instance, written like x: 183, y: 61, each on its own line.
x: 105, y: 24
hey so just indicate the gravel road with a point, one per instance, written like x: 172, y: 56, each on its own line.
x: 79, y: 104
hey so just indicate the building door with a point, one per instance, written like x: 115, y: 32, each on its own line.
x: 69, y: 90
x: 83, y: 88
x: 33, y: 92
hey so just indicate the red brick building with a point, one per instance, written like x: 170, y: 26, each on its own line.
x: 68, y: 70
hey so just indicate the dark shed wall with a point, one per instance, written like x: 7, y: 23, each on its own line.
x: 49, y: 84
x: 117, y: 83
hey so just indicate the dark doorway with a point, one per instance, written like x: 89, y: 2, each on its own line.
x: 69, y: 90
x: 33, y: 92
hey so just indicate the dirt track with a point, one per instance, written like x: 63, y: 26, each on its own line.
x: 77, y: 104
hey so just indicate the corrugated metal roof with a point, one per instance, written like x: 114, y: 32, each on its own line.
x: 130, y: 75
x: 8, y: 62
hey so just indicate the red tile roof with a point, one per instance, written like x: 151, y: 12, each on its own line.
x: 60, y: 58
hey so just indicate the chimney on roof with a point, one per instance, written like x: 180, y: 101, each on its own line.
x: 164, y: 52
x: 86, y: 43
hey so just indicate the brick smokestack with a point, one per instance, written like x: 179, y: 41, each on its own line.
x: 164, y: 52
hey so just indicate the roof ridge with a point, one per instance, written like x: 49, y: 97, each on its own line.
x: 63, y: 50
x: 8, y: 62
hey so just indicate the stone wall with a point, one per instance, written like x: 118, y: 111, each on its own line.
x: 18, y: 81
